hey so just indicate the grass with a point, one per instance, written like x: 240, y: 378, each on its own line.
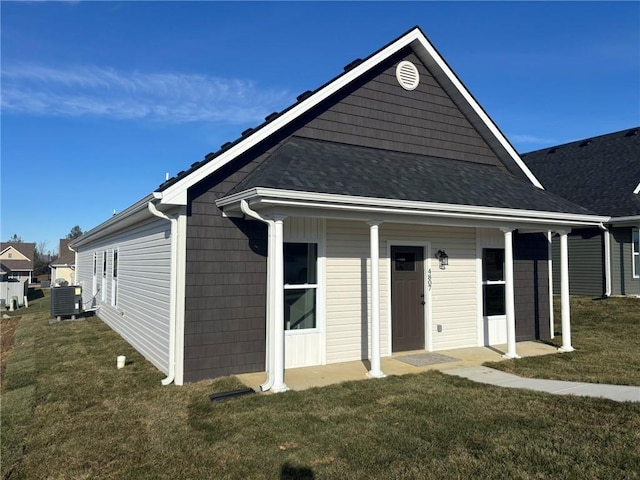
x: 606, y: 338
x: 86, y: 419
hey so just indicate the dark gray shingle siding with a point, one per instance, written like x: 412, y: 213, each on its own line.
x: 531, y: 286
x: 377, y: 112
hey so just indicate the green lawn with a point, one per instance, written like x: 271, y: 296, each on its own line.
x: 68, y: 413
x: 606, y: 338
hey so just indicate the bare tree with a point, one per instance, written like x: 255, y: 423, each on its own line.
x: 16, y: 238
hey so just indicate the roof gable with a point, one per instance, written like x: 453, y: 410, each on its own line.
x: 175, y: 190
x: 65, y: 256
x: 600, y: 173
x: 20, y: 251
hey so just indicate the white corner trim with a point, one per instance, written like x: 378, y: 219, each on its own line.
x: 637, y: 190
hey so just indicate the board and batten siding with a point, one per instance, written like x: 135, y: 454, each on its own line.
x: 586, y: 262
x: 348, y: 295
x: 142, y: 313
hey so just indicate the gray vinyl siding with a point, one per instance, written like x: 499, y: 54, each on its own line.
x: 531, y: 287
x: 586, y: 262
x: 377, y: 112
x: 142, y: 313
x: 622, y: 281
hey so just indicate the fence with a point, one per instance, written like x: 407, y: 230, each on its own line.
x: 8, y: 290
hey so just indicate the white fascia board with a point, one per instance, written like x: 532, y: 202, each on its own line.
x: 176, y: 194
x: 310, y: 199
x: 433, y: 54
x: 631, y: 220
x: 127, y: 217
x: 637, y: 190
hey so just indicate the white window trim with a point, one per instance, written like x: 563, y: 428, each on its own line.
x: 115, y: 265
x: 305, y: 286
x: 104, y: 275
x: 634, y: 253
x: 94, y: 285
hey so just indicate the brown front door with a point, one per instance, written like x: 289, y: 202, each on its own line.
x: 407, y: 298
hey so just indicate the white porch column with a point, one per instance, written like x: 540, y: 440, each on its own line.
x: 375, y: 371
x: 564, y: 293
x: 550, y: 266
x: 509, y: 294
x: 278, y: 307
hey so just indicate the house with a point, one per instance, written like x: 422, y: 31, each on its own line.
x: 16, y: 270
x: 17, y: 261
x: 63, y: 267
x: 603, y: 175
x: 382, y: 212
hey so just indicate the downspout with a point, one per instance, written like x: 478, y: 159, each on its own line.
x: 270, y: 281
x: 172, y: 287
x: 75, y: 262
x: 607, y: 261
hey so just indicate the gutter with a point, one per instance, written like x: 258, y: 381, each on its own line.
x: 270, y: 314
x: 368, y: 205
x: 172, y: 289
x: 607, y: 260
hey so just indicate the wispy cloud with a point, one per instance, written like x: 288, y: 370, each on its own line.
x: 531, y: 139
x: 105, y: 92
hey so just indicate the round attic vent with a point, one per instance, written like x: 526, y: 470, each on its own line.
x: 407, y: 75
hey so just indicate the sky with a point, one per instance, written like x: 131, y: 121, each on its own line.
x: 101, y: 99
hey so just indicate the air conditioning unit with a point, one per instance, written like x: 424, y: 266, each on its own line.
x: 66, y: 301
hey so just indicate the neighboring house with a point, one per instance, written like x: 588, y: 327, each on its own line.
x: 603, y: 175
x: 17, y: 260
x: 382, y: 212
x: 63, y: 268
x: 16, y: 270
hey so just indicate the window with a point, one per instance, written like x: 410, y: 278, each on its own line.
x: 114, y: 278
x: 635, y: 250
x: 300, y: 285
x: 104, y: 276
x: 95, y: 274
x: 493, y: 284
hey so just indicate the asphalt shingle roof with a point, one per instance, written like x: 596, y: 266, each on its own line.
x: 599, y: 173
x: 324, y: 167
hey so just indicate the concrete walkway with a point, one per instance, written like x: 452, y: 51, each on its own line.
x: 490, y: 376
x: 464, y: 362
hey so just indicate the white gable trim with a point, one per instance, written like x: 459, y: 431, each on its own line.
x: 176, y: 194
x: 14, y: 249
x: 637, y: 190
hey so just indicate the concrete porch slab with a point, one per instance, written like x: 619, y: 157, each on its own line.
x: 323, y: 375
